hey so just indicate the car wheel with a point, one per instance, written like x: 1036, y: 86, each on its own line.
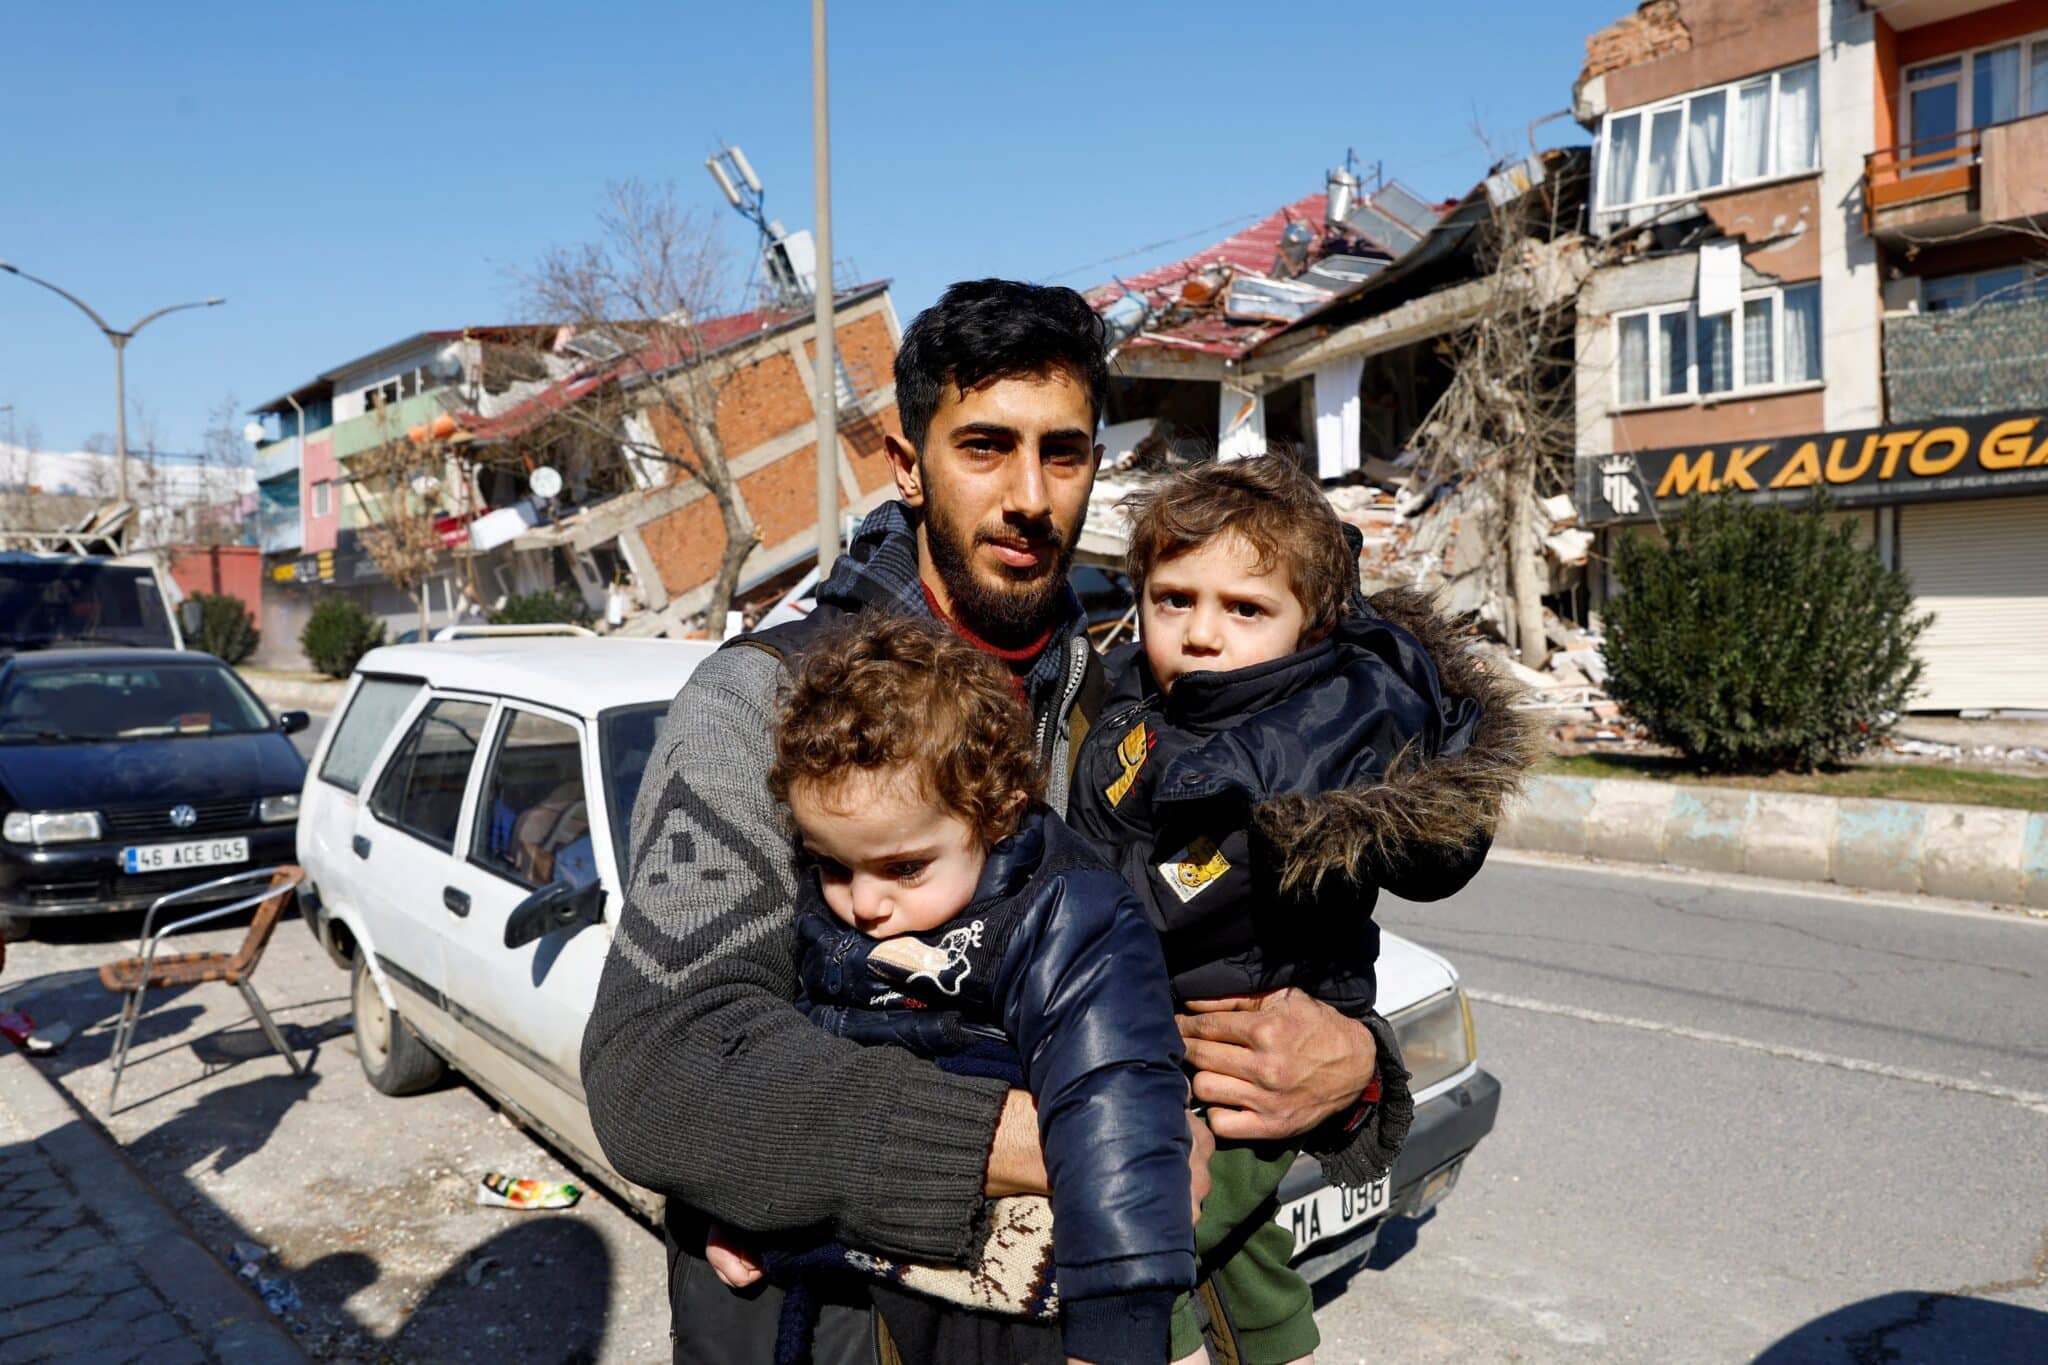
x: 393, y: 1057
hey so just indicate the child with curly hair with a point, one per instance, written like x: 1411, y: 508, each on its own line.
x: 943, y: 908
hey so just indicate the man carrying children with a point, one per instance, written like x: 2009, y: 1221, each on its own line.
x: 707, y: 1084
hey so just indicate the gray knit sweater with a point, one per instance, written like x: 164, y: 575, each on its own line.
x: 704, y: 1082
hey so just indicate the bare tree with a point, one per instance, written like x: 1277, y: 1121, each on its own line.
x: 647, y: 283
x: 397, y: 486
x: 1507, y: 417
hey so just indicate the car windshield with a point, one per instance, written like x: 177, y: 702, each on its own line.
x: 626, y: 738
x: 114, y: 700
x: 54, y: 603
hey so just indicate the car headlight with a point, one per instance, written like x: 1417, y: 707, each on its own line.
x: 1436, y: 1039
x: 277, y: 810
x: 51, y: 827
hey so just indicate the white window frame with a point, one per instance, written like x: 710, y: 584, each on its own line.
x: 1655, y: 352
x: 1731, y: 101
x: 1966, y: 94
x: 2032, y: 284
x: 323, y: 498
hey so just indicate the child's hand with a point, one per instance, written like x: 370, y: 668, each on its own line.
x: 732, y: 1263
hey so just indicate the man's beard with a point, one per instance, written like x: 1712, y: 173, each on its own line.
x: 1021, y: 608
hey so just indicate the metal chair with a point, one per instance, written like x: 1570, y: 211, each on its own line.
x: 132, y: 976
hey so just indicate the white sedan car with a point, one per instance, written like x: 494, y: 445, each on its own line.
x: 478, y: 793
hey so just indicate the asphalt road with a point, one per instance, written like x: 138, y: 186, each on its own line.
x: 1739, y: 1121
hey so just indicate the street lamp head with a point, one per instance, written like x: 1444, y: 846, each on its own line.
x: 9, y: 267
x: 211, y: 302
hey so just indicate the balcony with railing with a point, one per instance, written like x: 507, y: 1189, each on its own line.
x: 1967, y: 362
x: 1955, y: 181
x: 278, y: 529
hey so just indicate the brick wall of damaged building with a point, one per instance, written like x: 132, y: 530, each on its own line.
x: 765, y: 420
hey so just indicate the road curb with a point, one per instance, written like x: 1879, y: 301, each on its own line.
x: 295, y: 694
x: 232, y: 1322
x: 1973, y: 853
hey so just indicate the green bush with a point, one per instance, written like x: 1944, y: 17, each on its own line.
x: 338, y: 634
x: 1760, y: 637
x: 226, y: 629
x: 564, y: 606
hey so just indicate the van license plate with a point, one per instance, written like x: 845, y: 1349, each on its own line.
x: 1331, y: 1210
x: 171, y: 857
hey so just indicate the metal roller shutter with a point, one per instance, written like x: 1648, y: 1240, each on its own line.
x: 1982, y: 569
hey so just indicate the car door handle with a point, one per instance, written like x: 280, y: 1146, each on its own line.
x: 455, y: 900
x: 361, y: 844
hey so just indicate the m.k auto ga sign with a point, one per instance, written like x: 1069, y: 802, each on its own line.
x: 1970, y: 457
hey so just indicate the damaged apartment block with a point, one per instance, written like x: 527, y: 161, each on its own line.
x: 1820, y: 232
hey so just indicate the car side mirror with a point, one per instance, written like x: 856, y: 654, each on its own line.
x: 191, y: 617
x: 291, y: 722
x: 558, y: 905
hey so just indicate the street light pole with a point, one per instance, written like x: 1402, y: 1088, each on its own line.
x: 825, y: 412
x: 119, y: 340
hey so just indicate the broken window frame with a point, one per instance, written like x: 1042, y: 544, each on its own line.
x: 1734, y: 112
x: 1670, y: 322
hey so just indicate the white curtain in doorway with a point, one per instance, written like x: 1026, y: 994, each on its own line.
x: 1241, y: 420
x: 1337, y: 415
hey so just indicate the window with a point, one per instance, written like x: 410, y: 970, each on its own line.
x: 1951, y: 95
x: 1673, y: 353
x: 1751, y: 130
x: 371, y: 717
x: 323, y: 498
x: 533, y: 824
x: 2008, y: 284
x: 127, y: 701
x: 626, y: 741
x: 421, y: 789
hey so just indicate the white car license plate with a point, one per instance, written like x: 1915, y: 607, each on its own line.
x: 171, y: 857
x: 1331, y: 1210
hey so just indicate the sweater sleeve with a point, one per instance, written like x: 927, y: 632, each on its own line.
x: 1085, y: 998
x: 704, y: 1081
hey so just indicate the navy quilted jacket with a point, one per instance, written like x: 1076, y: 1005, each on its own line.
x: 1054, y: 954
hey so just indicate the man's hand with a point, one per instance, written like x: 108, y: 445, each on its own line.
x: 1201, y: 1146
x: 734, y: 1264
x: 1275, y: 1065
x: 1016, y: 1161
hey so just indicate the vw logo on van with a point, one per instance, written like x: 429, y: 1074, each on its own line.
x: 184, y: 817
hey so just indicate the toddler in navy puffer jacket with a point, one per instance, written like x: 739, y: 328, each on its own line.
x: 943, y: 909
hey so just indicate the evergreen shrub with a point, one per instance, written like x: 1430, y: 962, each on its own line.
x: 1760, y: 637
x: 226, y: 629
x: 338, y: 634
x: 564, y: 606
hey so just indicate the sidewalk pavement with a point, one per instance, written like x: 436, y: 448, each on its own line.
x: 294, y: 694
x: 93, y: 1266
x: 1977, y: 853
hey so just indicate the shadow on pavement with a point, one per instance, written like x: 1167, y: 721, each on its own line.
x: 547, y: 1283
x: 1942, y: 1329
x: 1397, y: 1238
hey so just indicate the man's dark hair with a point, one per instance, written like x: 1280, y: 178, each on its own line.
x: 983, y: 330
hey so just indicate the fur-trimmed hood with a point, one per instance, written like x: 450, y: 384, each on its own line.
x: 1424, y: 809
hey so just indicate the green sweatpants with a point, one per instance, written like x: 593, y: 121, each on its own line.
x: 1244, y: 1254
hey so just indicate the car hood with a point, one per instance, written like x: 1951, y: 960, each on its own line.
x: 133, y: 771
x: 1409, y: 974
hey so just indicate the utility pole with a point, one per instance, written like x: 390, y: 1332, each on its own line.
x: 119, y: 340
x: 825, y: 396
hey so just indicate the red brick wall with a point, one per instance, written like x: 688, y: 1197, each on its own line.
x: 864, y: 449
x: 784, y: 496
x: 234, y: 570
x: 1668, y: 47
x: 686, y: 544
x: 867, y: 349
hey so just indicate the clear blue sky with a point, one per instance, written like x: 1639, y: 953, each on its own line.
x: 349, y: 174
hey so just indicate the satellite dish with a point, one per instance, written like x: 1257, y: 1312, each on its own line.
x: 448, y: 361
x: 254, y: 433
x: 545, y: 482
